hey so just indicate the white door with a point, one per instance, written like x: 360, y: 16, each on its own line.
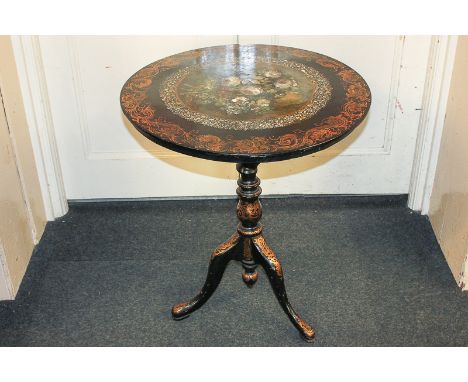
x: 102, y: 156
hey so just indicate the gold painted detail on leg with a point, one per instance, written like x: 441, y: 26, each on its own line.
x: 308, y: 331
x: 222, y: 248
x: 268, y: 253
x: 249, y: 211
x: 176, y: 309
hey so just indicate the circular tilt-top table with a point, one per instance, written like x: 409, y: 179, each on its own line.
x: 246, y: 104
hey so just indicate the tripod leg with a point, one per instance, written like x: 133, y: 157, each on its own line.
x: 274, y: 271
x: 218, y: 262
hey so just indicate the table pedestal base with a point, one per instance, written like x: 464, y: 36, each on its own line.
x: 248, y: 246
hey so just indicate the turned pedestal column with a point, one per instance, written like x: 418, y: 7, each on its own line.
x: 248, y: 246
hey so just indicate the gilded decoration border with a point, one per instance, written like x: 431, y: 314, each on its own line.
x: 141, y: 113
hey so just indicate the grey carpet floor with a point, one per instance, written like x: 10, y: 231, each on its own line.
x: 364, y: 271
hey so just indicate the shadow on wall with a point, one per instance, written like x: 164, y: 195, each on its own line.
x: 226, y: 170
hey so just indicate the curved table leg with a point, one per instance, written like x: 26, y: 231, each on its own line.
x: 219, y: 260
x: 274, y: 271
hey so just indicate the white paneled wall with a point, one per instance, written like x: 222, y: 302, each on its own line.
x: 102, y: 156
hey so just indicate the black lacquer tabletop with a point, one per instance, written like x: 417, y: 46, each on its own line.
x: 246, y: 103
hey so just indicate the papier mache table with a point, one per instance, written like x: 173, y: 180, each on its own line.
x: 246, y: 104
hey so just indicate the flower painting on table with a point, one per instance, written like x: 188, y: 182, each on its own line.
x: 261, y: 96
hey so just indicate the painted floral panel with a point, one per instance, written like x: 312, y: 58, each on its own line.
x: 264, y: 94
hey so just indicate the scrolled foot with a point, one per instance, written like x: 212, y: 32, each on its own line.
x: 181, y: 310
x: 307, y: 332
